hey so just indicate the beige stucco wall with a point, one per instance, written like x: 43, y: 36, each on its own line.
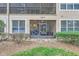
x: 34, y: 17
x: 68, y: 14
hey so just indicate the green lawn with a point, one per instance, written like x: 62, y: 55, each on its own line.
x: 44, y: 51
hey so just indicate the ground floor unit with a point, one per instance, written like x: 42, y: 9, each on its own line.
x: 39, y: 27
x: 34, y: 28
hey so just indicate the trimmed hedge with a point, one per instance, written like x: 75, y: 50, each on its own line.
x: 69, y: 37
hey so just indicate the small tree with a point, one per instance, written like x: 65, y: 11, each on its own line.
x: 1, y: 26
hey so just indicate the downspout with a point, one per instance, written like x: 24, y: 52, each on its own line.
x: 8, y: 19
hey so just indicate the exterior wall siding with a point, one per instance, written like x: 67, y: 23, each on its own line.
x: 67, y: 14
x: 60, y: 15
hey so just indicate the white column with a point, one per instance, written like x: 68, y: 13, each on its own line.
x: 58, y: 25
x: 8, y: 21
x: 27, y: 26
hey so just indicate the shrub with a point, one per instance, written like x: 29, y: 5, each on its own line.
x: 45, y: 51
x: 2, y: 25
x: 69, y: 37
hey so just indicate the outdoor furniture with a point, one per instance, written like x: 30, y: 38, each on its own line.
x: 34, y: 32
x: 50, y: 33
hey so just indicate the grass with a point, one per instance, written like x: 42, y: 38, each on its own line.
x: 44, y: 51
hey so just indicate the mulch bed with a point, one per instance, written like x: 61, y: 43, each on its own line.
x: 10, y: 47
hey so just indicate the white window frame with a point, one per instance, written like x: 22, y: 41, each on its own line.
x: 13, y: 27
x: 67, y: 24
x: 18, y: 31
x: 63, y: 27
x: 19, y: 26
x: 66, y: 8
